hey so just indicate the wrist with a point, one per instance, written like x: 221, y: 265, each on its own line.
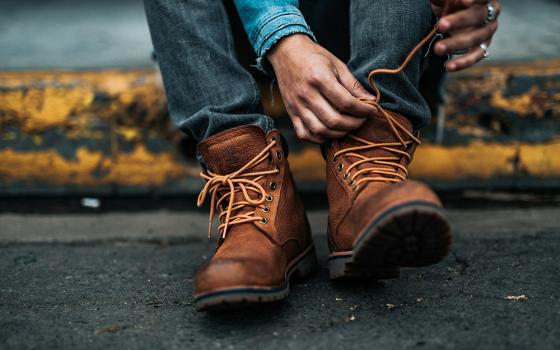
x: 287, y: 45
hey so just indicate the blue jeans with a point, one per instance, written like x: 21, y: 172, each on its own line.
x: 202, y: 54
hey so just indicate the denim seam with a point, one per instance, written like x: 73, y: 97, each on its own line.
x: 255, y: 97
x: 231, y: 50
x: 229, y: 35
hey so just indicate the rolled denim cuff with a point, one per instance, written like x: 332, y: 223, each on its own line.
x: 273, y: 30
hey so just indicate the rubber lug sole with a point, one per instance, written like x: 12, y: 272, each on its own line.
x: 410, y: 235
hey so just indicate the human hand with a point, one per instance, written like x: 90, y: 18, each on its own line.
x: 319, y: 92
x: 465, y: 23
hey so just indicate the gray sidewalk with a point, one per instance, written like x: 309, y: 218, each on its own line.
x: 124, y: 280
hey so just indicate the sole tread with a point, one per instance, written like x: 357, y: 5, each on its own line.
x: 412, y: 236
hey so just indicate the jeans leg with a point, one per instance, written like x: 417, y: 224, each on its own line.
x: 382, y: 33
x: 207, y: 89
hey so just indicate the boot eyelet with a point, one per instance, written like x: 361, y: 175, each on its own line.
x: 351, y: 183
x: 279, y: 155
x: 273, y: 139
x: 265, y: 209
x: 269, y: 198
x: 346, y: 176
x: 340, y: 167
x: 263, y: 221
x: 272, y: 185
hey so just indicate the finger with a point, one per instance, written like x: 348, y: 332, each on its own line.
x: 303, y: 133
x: 454, y: 6
x: 342, y: 100
x: 316, y: 126
x: 467, y: 60
x: 465, y: 40
x: 332, y: 118
x: 472, y: 17
x: 351, y: 84
x: 437, y: 10
x: 467, y: 3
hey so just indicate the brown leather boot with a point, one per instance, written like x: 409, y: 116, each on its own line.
x: 264, y: 232
x: 379, y: 220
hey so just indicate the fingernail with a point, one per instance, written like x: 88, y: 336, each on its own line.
x: 443, y: 25
x: 441, y: 48
x: 451, y: 66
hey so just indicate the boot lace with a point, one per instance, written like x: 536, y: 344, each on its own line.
x: 223, y: 190
x: 384, y: 169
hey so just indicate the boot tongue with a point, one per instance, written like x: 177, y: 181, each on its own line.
x: 230, y: 150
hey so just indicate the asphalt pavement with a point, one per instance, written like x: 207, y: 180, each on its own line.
x: 125, y: 280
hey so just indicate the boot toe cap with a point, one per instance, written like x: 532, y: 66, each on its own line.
x: 224, y: 274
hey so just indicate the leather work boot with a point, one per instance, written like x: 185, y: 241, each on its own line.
x: 378, y: 220
x: 264, y: 233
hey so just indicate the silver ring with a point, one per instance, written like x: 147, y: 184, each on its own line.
x: 484, y: 48
x: 492, y: 12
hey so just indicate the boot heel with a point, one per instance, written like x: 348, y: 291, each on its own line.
x: 306, y: 265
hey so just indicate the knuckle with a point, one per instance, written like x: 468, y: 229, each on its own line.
x: 315, y: 77
x: 301, y: 134
x: 332, y: 123
x: 318, y: 130
x: 302, y: 93
x: 290, y: 106
x: 357, y: 86
x: 347, y: 104
x: 469, y: 41
x: 456, y: 43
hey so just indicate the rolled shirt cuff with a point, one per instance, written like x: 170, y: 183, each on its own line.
x: 274, y: 29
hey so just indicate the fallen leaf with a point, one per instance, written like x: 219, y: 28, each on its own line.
x: 110, y: 329
x: 521, y: 297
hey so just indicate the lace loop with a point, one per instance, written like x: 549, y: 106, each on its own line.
x: 231, y: 184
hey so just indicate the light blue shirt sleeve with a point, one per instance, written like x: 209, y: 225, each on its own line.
x: 267, y: 21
